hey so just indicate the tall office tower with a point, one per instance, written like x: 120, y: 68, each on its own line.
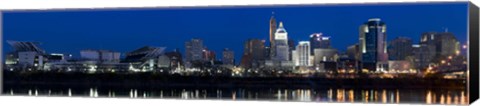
x: 253, y: 53
x: 281, y: 44
x: 445, y: 43
x: 273, y: 28
x: 373, y: 45
x: 255, y: 48
x: 228, y: 57
x: 301, y: 55
x: 208, y: 55
x: 317, y: 40
x: 194, y: 50
x: 399, y: 48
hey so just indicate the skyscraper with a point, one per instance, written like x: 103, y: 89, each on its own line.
x: 317, y: 40
x: 281, y: 44
x: 445, y: 43
x: 273, y: 28
x: 228, y: 57
x: 399, y: 48
x: 208, y: 55
x: 256, y: 48
x: 301, y: 55
x: 423, y: 55
x: 253, y: 53
x: 373, y: 45
x: 194, y: 50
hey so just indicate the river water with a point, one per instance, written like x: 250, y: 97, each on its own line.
x: 420, y: 96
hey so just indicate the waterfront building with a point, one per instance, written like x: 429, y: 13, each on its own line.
x: 301, y: 54
x: 399, y: 66
x: 353, y: 52
x: 325, y: 55
x: 423, y: 55
x: 26, y: 56
x: 194, y: 50
x: 399, y: 48
x: 144, y: 59
x: 228, y: 57
x: 325, y: 59
x: 175, y: 59
x: 373, y: 45
x: 445, y: 43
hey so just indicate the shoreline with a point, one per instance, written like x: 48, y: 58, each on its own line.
x: 171, y: 81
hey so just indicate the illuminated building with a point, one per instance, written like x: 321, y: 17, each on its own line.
x: 228, y: 57
x: 373, y: 45
x: 144, y: 59
x: 423, y: 55
x: 301, y: 55
x: 444, y: 43
x: 317, y: 40
x: 281, y: 44
x: 194, y: 50
x: 26, y: 56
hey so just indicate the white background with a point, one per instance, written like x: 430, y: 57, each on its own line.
x: 79, y: 101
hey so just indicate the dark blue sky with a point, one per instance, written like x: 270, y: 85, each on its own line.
x: 124, y: 30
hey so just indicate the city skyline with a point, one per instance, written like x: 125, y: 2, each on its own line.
x: 258, y: 28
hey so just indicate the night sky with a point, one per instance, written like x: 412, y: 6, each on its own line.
x: 124, y: 30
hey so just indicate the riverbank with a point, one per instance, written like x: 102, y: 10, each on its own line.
x: 172, y: 81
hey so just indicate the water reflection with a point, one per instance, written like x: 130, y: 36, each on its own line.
x: 448, y: 97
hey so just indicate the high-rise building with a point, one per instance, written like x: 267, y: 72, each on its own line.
x: 423, y: 55
x: 208, y: 55
x: 253, y: 53
x: 373, y: 45
x: 317, y: 40
x: 445, y: 43
x: 194, y: 50
x: 273, y: 28
x: 228, y: 57
x: 281, y: 44
x: 301, y: 55
x: 256, y: 48
x: 399, y: 48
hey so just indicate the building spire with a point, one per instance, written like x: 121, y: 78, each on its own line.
x: 280, y: 24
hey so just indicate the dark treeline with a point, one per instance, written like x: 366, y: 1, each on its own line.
x: 153, y: 80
